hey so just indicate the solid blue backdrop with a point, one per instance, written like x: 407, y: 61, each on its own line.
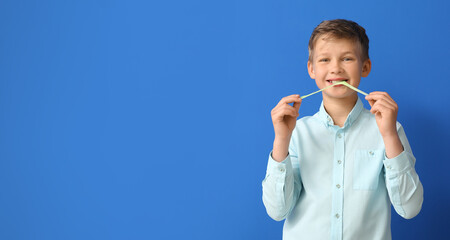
x: 151, y: 119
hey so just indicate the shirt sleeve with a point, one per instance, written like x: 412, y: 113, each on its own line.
x: 403, y: 184
x: 281, y: 186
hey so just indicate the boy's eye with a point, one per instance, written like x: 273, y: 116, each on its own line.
x: 348, y: 59
x: 323, y: 60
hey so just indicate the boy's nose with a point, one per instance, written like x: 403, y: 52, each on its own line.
x: 336, y: 67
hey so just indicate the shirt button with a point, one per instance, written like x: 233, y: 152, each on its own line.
x: 371, y: 153
x: 281, y: 169
x: 338, y: 186
x: 339, y: 135
x: 339, y: 161
x: 337, y: 215
x: 388, y: 167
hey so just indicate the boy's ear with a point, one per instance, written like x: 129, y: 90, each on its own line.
x: 311, y: 70
x: 367, y: 66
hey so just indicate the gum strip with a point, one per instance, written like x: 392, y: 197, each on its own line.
x: 338, y: 83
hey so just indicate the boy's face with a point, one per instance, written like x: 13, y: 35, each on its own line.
x: 336, y: 60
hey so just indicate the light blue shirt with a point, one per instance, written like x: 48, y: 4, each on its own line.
x: 337, y: 183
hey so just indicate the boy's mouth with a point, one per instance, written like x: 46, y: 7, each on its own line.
x: 335, y: 80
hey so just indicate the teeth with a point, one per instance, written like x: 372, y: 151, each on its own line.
x: 332, y: 81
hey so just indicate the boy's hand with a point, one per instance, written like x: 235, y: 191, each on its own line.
x: 284, y: 116
x: 385, y: 110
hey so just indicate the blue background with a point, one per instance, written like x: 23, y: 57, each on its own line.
x: 151, y: 119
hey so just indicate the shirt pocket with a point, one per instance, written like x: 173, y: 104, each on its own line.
x: 367, y: 168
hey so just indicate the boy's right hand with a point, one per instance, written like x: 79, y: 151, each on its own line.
x: 284, y: 117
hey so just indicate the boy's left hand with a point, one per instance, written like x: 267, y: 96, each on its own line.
x: 385, y: 110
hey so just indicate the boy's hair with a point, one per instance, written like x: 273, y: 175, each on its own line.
x: 340, y: 28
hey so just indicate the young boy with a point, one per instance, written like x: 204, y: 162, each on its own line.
x: 334, y: 175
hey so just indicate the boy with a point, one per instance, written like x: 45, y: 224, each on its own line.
x: 333, y: 175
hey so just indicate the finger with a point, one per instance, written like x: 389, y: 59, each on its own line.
x: 287, y: 112
x: 385, y: 104
x: 297, y: 105
x: 290, y: 111
x: 290, y: 99
x: 370, y: 99
x: 381, y: 92
x: 284, y: 110
x: 283, y: 103
x: 377, y: 95
x: 388, y: 101
x: 386, y: 96
x: 382, y: 106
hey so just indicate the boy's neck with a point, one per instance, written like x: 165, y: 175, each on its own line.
x: 339, y: 108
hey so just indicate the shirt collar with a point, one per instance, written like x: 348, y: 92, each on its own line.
x: 351, y: 118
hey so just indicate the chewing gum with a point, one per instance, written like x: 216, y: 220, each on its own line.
x: 338, y: 83
x: 353, y: 88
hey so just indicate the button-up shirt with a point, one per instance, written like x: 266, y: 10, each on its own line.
x: 337, y: 183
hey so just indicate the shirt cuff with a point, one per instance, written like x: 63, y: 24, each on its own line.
x: 280, y: 168
x: 399, y: 163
